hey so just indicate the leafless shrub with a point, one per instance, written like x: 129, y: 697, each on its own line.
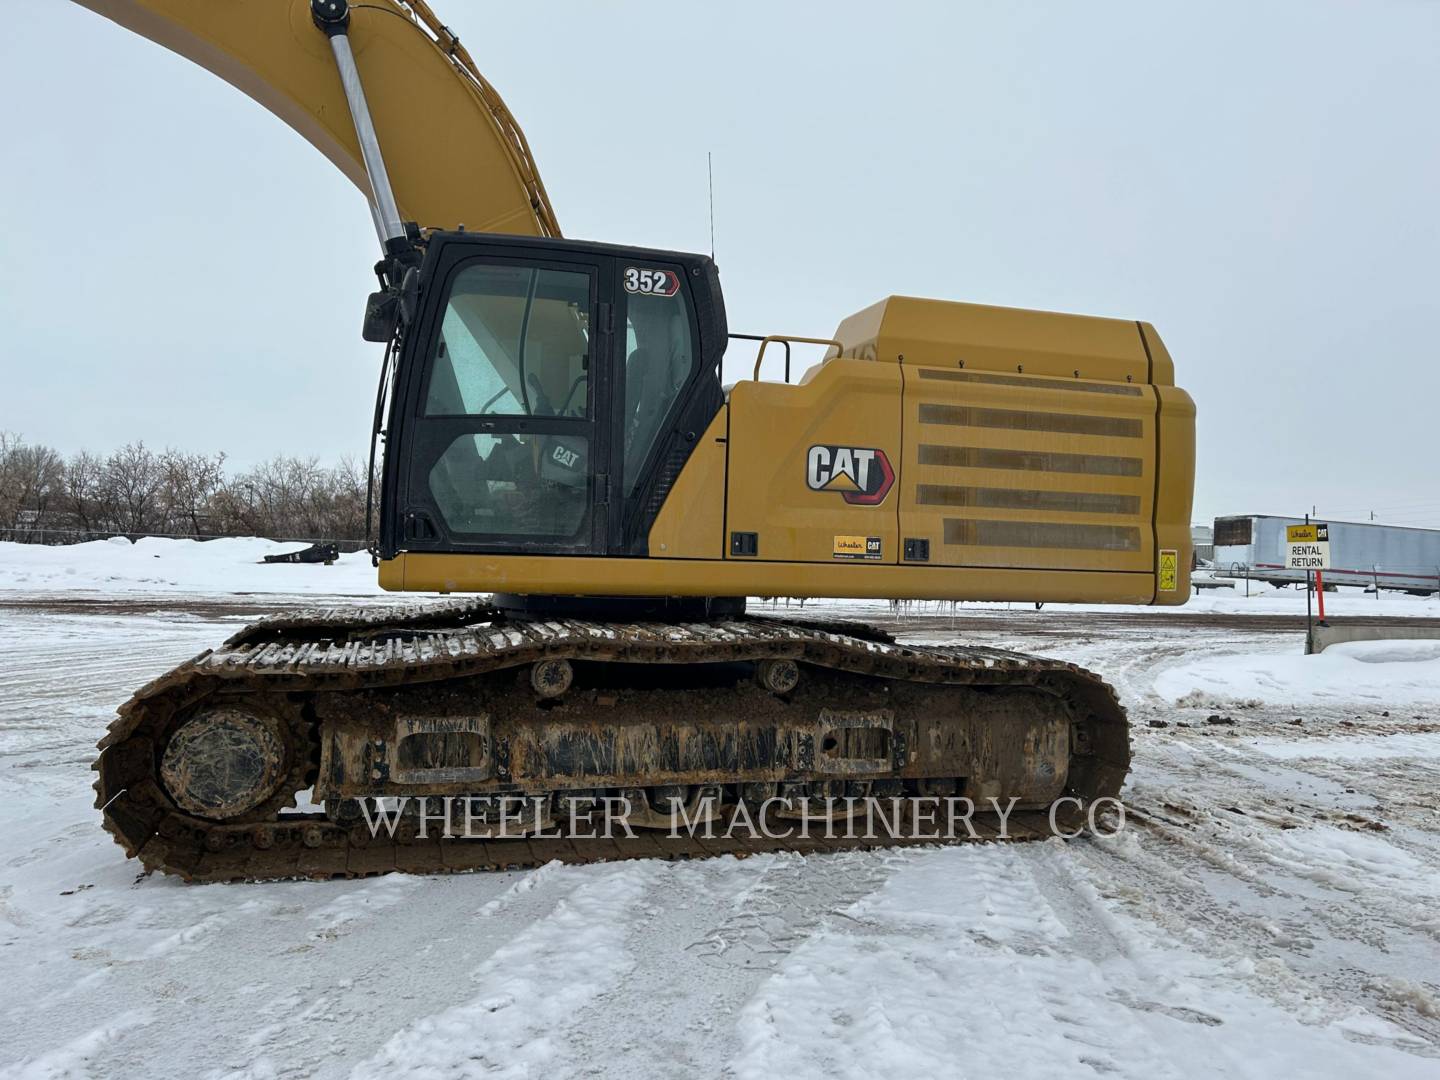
x: 30, y: 482
x: 81, y: 488
x: 132, y: 488
x: 137, y: 491
x: 191, y: 483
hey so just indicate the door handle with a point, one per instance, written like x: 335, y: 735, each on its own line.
x: 420, y: 526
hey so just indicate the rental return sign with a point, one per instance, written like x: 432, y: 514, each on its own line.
x: 1307, y: 547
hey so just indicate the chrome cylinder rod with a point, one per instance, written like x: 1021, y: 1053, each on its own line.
x: 333, y: 17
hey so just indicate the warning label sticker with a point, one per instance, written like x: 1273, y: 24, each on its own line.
x: 1169, y: 571
x: 858, y: 547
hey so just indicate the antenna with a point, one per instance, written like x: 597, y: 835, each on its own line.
x: 710, y: 174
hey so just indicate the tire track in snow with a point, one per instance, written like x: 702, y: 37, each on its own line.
x: 80, y: 1057
x: 378, y: 959
x: 1321, y: 860
x: 708, y: 934
x: 1007, y: 961
x: 530, y: 989
x: 61, y: 677
x: 258, y: 981
x: 1321, y: 951
x: 958, y: 958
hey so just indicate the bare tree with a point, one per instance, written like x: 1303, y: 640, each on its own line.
x: 31, y: 477
x: 81, y: 491
x: 348, y: 482
x: 134, y: 490
x: 132, y: 487
x: 10, y: 442
x: 191, y: 482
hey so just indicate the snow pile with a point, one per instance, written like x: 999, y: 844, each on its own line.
x: 1381, y: 673
x: 161, y: 565
x: 1263, y: 599
x: 1390, y: 652
x: 1412, y: 747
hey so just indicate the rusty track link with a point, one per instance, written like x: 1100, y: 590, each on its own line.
x: 316, y: 652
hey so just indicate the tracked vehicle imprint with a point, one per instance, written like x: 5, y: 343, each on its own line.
x: 457, y: 710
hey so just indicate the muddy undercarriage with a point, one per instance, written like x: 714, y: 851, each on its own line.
x: 455, y: 737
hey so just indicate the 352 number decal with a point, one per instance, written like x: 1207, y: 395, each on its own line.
x: 651, y: 282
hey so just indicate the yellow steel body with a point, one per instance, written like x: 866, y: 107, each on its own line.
x: 1043, y: 457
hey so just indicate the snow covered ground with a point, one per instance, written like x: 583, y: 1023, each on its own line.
x: 1272, y: 908
x: 1377, y: 673
x: 161, y: 566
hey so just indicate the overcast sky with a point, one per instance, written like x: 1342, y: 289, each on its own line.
x: 1259, y: 181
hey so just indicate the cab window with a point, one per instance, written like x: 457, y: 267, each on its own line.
x: 514, y: 485
x: 514, y: 340
x: 659, y: 354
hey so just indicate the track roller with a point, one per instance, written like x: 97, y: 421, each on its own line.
x: 551, y: 678
x: 777, y: 676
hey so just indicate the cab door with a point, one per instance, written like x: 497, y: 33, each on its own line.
x: 661, y: 395
x: 502, y: 447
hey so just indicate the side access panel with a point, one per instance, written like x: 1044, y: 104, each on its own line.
x: 814, y: 469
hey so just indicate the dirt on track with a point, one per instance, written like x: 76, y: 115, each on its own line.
x: 329, y: 651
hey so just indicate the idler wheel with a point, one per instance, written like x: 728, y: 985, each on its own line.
x: 223, y: 763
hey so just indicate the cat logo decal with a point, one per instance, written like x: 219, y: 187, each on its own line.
x: 861, y: 474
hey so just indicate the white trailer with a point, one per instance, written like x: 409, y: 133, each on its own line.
x: 1375, y: 556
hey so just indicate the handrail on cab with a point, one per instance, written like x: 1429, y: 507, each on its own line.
x: 786, y: 339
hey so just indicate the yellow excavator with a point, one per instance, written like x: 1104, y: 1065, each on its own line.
x: 554, y: 435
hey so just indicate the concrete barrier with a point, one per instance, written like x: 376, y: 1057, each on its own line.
x: 1327, y: 635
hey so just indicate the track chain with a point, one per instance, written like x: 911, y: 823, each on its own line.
x: 318, y: 651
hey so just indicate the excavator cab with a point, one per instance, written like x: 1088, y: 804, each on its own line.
x: 546, y: 395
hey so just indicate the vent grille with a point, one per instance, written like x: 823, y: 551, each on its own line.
x: 974, y: 457
x: 1076, y: 502
x: 1030, y: 534
x: 1025, y: 420
x: 669, y: 473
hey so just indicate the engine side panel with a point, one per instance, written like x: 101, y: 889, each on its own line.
x: 814, y: 466
x: 1028, y: 472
